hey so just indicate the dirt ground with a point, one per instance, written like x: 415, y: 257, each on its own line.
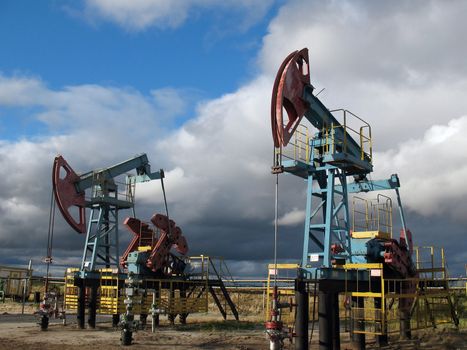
x: 205, y: 331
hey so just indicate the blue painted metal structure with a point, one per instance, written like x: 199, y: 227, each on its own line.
x: 333, y: 156
x: 392, y: 183
x: 101, y: 248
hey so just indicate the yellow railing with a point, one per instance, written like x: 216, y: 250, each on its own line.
x: 298, y: 147
x: 430, y: 262
x: 175, y: 296
x: 378, y: 302
x: 372, y: 215
x: 366, y: 316
x: 71, y: 292
x: 353, y: 127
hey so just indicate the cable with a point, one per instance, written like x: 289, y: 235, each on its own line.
x: 276, y: 229
x: 165, y: 203
x: 50, y: 236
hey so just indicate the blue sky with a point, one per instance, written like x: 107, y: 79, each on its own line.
x: 189, y: 83
x: 59, y: 44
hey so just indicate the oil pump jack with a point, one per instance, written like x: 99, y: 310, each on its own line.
x: 326, y: 159
x: 98, y: 191
x: 154, y: 262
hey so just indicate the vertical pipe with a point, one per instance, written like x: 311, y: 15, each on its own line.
x: 301, y: 319
x: 115, y: 320
x: 81, y: 301
x: 183, y: 301
x: 93, y: 304
x: 155, y: 316
x: 336, y: 340
x: 325, y: 321
x: 405, y: 324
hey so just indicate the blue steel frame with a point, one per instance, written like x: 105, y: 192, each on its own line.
x: 333, y: 226
x: 392, y: 183
x: 102, y: 244
x: 327, y: 223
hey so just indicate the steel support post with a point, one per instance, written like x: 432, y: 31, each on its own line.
x: 155, y: 318
x: 183, y: 315
x: 79, y: 282
x: 405, y: 332
x: 172, y: 316
x: 336, y: 339
x: 328, y: 318
x: 143, y: 318
x: 301, y: 319
x: 92, y: 304
x: 357, y: 339
x: 115, y: 320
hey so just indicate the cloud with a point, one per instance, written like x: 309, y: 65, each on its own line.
x: 401, y: 43
x: 292, y: 218
x: 381, y: 60
x: 432, y: 169
x: 138, y: 15
x: 21, y: 91
x: 394, y: 64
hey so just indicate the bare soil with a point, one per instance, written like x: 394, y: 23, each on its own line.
x: 204, y: 331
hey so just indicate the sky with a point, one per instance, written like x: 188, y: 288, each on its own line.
x: 189, y: 83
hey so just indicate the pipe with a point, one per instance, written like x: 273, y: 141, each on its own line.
x: 301, y: 319
x: 93, y: 305
x: 79, y: 282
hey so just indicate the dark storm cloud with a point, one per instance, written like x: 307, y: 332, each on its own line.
x: 395, y: 63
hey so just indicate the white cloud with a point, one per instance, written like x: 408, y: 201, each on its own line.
x: 21, y: 91
x: 394, y: 64
x: 292, y: 218
x: 432, y: 170
x: 381, y: 60
x: 138, y: 15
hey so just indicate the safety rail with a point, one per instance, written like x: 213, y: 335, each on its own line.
x: 297, y: 149
x: 71, y: 291
x: 365, y: 307
x: 372, y: 215
x: 378, y: 303
x: 112, y: 188
x: 174, y: 296
x: 349, y: 125
x: 199, y: 267
x: 430, y: 260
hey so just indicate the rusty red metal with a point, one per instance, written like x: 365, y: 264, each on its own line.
x: 66, y: 196
x: 159, y: 258
x: 274, y: 325
x: 143, y: 235
x: 291, y: 79
x: 399, y: 258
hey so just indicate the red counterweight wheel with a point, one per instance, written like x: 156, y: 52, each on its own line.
x: 287, y: 92
x: 66, y: 196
